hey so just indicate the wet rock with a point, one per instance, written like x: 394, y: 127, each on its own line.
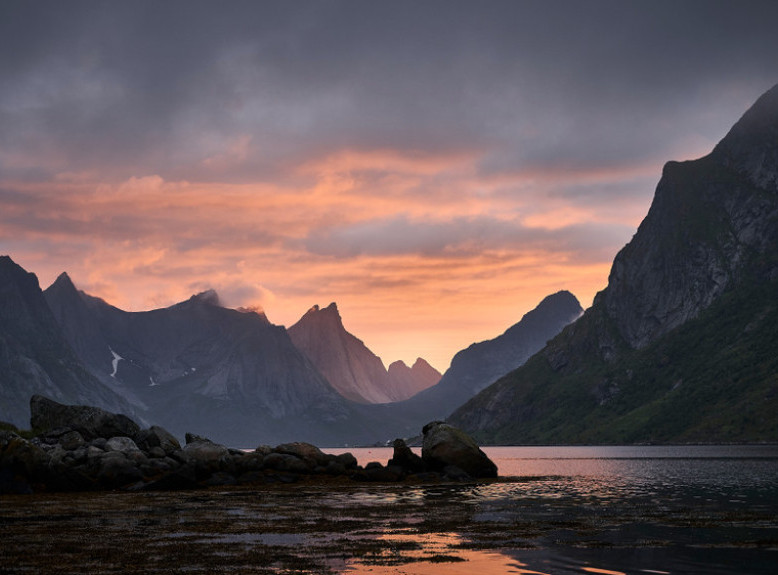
x: 91, y: 422
x: 445, y: 445
x: 387, y: 474
x: 405, y: 458
x: 454, y: 473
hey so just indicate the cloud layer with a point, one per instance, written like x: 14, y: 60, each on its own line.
x: 436, y: 168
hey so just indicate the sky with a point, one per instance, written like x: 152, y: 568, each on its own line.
x: 436, y: 168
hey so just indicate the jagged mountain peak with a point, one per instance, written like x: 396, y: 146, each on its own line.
x: 422, y: 363
x: 207, y: 297
x: 399, y: 364
x: 64, y: 280
x: 351, y: 368
x: 751, y: 146
x: 10, y: 269
x: 324, y: 316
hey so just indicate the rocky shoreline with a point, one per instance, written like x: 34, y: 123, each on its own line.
x: 82, y: 448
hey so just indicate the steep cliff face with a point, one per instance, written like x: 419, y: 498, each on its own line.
x: 709, y: 220
x: 351, y: 368
x: 695, y: 284
x: 34, y: 355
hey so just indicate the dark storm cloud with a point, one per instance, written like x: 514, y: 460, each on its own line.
x: 137, y: 88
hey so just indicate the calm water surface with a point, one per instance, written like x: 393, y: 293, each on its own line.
x: 617, y: 509
x: 557, y: 511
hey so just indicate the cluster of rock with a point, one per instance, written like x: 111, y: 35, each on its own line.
x: 84, y: 448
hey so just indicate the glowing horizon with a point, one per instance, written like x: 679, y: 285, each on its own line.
x: 436, y: 177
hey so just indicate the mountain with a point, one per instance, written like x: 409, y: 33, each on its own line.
x: 475, y: 367
x: 680, y: 345
x: 35, y: 357
x: 197, y: 366
x: 350, y: 367
x: 408, y: 381
x: 482, y: 363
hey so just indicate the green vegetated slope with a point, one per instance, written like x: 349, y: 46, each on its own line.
x: 714, y: 379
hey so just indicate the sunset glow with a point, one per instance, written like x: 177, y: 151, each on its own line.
x: 436, y: 181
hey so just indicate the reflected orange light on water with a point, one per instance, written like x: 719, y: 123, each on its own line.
x: 441, y: 554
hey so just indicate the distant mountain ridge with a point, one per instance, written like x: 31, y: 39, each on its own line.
x: 230, y: 374
x: 680, y: 346
x: 477, y: 366
x: 197, y: 365
x: 351, y: 368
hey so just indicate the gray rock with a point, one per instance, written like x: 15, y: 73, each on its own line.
x: 250, y: 462
x: 99, y: 442
x: 311, y: 454
x: 156, y: 436
x: 206, y: 457
x: 91, y: 422
x: 72, y: 440
x: 123, y: 444
x: 157, y: 452
x: 445, y: 445
x: 194, y: 438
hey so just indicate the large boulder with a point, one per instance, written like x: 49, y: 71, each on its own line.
x: 90, y: 422
x: 445, y: 446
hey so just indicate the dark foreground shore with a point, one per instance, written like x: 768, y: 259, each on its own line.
x: 521, y: 525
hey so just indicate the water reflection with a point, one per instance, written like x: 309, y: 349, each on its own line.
x: 625, y: 510
x: 440, y: 554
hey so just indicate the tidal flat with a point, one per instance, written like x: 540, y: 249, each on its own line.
x: 711, y: 510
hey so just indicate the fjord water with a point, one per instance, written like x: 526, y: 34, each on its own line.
x: 618, y: 509
x: 556, y: 511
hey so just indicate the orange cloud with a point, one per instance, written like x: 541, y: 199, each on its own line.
x: 422, y: 254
